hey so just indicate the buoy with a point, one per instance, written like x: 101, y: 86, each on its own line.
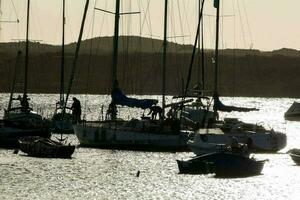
x: 138, y: 173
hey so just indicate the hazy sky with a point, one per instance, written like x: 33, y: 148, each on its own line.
x: 258, y: 24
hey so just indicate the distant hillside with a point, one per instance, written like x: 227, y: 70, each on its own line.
x: 242, y: 72
x: 132, y: 44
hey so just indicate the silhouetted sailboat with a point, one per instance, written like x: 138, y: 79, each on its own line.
x: 21, y: 121
x: 134, y: 134
x: 261, y: 138
x: 62, y: 118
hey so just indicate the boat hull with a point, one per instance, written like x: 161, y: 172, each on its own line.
x: 106, y: 136
x: 45, y: 148
x: 260, y: 142
x: 222, y: 165
x: 237, y: 166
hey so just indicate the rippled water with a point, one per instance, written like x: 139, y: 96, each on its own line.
x: 111, y: 174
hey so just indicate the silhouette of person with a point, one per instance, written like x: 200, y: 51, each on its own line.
x: 24, y: 103
x: 154, y: 111
x: 76, y: 110
x: 111, y: 111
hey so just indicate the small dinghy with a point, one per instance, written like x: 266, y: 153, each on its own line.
x: 295, y: 155
x: 295, y: 158
x: 45, y: 148
x: 222, y: 164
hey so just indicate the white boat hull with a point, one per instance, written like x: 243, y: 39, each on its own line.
x: 261, y: 142
x: 105, y: 135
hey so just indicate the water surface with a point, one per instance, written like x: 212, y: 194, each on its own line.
x: 111, y: 174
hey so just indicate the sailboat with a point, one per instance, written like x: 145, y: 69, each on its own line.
x: 48, y: 148
x: 21, y: 121
x: 198, y: 113
x: 62, y: 118
x: 163, y: 134
x: 261, y: 139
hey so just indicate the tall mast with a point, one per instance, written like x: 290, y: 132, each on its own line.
x: 62, y: 69
x: 202, y: 49
x: 164, y: 59
x: 217, y: 5
x: 74, y: 65
x: 194, y: 50
x: 26, y: 49
x: 116, y: 46
x: 115, y: 56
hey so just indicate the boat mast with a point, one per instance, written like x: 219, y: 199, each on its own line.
x: 164, y: 60
x: 115, y: 56
x: 194, y: 50
x: 202, y: 47
x: 62, y: 69
x: 74, y: 64
x: 115, y: 45
x: 217, y: 6
x: 26, y: 50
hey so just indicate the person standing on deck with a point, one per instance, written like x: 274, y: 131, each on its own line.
x: 76, y: 110
x: 24, y: 103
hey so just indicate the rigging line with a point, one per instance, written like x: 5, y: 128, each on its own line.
x: 100, y: 29
x: 180, y: 17
x: 145, y: 15
x: 241, y: 22
x: 172, y: 19
x: 234, y: 51
x: 247, y: 21
x: 36, y: 22
x: 181, y: 65
x: 194, y: 50
x: 139, y: 46
x: 187, y: 21
x: 91, y: 50
x: 15, y: 10
x: 210, y: 32
x: 103, y: 19
x: 148, y: 18
x: 140, y: 18
x: 122, y: 13
x: 149, y: 25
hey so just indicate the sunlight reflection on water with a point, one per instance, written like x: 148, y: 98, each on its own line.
x: 111, y: 174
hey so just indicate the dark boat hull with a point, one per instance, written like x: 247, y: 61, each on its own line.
x: 238, y: 166
x: 222, y: 164
x: 45, y: 148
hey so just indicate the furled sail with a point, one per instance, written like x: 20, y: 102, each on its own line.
x: 219, y: 106
x: 120, y: 99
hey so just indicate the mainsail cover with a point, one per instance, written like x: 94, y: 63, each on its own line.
x: 219, y: 106
x: 120, y: 99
